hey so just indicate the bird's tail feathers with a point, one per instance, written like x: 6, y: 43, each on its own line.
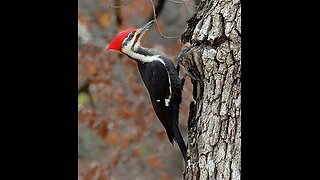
x: 179, y: 140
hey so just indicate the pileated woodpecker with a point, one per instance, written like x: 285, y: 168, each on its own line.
x: 161, y: 78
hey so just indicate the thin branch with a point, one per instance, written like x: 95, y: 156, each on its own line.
x: 119, y: 6
x: 185, y: 6
x: 156, y: 12
x: 155, y: 18
x: 178, y: 2
x: 158, y: 9
x: 118, y: 12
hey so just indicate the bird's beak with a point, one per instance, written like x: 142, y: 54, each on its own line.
x: 144, y: 28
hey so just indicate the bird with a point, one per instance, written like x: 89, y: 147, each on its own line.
x: 160, y: 76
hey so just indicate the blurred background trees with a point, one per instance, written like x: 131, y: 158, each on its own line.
x: 119, y: 136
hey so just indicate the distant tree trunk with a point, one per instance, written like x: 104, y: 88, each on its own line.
x: 212, y: 57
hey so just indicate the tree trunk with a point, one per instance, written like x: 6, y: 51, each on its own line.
x: 212, y: 58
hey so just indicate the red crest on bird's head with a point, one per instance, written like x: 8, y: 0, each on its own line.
x: 118, y: 40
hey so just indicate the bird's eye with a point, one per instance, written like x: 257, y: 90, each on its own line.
x: 131, y: 36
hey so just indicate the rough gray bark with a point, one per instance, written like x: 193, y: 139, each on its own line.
x: 212, y: 57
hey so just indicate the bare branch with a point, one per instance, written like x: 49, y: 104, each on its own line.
x: 185, y: 6
x: 118, y: 5
x: 118, y: 12
x: 155, y: 18
x: 158, y: 9
x: 185, y: 3
x: 156, y: 12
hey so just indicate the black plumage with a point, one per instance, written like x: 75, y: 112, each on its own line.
x: 155, y: 76
x: 160, y: 77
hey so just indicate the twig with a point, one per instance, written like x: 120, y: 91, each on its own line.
x: 119, y: 6
x: 155, y: 18
x: 158, y: 9
x: 177, y: 2
x: 118, y: 12
x: 185, y: 6
x: 155, y: 13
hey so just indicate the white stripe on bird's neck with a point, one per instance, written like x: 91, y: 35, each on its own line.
x: 147, y: 59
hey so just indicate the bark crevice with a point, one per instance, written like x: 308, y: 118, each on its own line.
x: 212, y: 58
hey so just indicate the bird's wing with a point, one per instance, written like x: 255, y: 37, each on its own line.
x: 160, y: 93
